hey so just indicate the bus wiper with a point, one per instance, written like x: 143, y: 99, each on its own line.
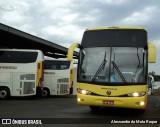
x: 119, y: 72
x: 101, y: 67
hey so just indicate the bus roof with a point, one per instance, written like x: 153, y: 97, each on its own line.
x: 115, y: 27
x: 27, y: 50
x: 52, y: 59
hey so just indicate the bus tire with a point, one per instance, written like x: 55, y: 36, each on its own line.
x: 71, y: 90
x: 4, y: 93
x: 94, y: 108
x: 45, y: 92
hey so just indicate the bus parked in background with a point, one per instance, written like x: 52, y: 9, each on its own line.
x: 21, y: 72
x: 58, y: 77
x: 154, y: 84
x: 150, y: 84
x: 113, y: 67
x: 156, y: 80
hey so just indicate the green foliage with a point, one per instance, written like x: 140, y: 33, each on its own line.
x: 152, y: 73
x: 156, y: 77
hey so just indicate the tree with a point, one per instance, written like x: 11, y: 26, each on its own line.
x: 152, y: 73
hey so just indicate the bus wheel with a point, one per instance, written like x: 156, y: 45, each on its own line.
x: 45, y: 92
x: 94, y: 108
x: 4, y: 93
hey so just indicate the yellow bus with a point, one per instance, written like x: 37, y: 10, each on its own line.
x: 21, y: 72
x: 113, y: 67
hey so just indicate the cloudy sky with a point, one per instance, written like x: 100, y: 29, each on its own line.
x: 64, y: 21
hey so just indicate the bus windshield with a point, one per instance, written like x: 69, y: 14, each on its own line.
x: 18, y: 57
x: 56, y: 65
x: 112, y: 65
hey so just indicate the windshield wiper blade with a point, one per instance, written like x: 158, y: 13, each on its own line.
x: 101, y: 67
x: 119, y: 72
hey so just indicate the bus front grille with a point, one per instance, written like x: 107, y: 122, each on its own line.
x: 63, y: 89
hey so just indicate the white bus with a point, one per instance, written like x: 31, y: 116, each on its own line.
x: 58, y: 77
x: 154, y: 84
x: 21, y: 72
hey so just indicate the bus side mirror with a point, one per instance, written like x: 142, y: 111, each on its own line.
x: 71, y: 51
x: 151, y: 53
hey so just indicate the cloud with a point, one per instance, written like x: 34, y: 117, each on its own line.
x: 64, y: 21
x: 142, y: 16
x: 14, y: 13
x: 67, y: 33
x: 115, y: 2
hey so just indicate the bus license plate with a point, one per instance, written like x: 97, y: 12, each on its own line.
x: 108, y: 102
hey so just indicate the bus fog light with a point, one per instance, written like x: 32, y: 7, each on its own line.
x: 142, y: 103
x: 78, y: 99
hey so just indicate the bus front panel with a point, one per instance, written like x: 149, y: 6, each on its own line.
x: 132, y: 96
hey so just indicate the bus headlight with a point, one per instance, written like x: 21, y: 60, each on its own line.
x: 137, y: 94
x: 85, y: 92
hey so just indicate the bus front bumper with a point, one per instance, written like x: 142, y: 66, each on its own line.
x: 122, y: 102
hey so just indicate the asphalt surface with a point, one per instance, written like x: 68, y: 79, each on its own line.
x: 64, y: 111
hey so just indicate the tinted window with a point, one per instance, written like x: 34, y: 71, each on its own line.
x: 56, y: 65
x: 114, y: 38
x: 17, y: 57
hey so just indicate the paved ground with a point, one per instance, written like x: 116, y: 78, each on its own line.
x: 63, y: 109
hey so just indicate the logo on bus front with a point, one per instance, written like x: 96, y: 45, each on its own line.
x: 108, y: 92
